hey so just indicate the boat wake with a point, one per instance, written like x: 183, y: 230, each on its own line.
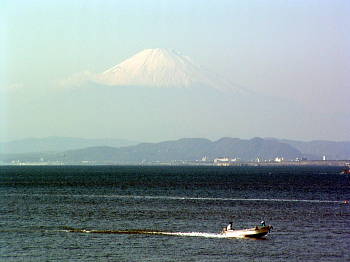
x: 150, y: 232
x: 194, y: 234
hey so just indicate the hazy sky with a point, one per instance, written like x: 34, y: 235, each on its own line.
x: 298, y: 51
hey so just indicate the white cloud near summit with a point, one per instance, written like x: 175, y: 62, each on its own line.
x: 78, y: 79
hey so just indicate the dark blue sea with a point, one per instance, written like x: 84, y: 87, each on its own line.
x: 106, y: 213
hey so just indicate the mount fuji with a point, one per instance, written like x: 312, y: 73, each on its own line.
x: 162, y: 68
x: 160, y: 93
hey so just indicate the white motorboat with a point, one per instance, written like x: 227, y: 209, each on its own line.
x: 256, y: 232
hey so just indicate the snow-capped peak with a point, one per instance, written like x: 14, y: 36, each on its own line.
x: 161, y: 67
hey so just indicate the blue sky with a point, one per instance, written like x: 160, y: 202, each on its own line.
x: 296, y: 50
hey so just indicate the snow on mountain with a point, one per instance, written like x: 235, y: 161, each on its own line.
x: 162, y: 68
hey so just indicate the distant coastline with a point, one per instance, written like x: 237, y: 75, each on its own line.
x: 338, y: 163
x: 186, y: 151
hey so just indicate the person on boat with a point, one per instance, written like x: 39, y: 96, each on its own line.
x: 262, y: 223
x: 229, y: 226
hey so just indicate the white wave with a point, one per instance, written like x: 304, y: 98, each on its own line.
x: 234, y: 199
x: 183, y: 198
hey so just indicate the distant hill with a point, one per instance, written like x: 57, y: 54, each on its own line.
x: 317, y: 149
x: 187, y: 149
x: 57, y: 144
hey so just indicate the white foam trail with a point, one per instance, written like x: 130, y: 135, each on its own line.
x: 150, y: 232
x: 234, y: 199
x: 185, y: 198
x: 194, y: 234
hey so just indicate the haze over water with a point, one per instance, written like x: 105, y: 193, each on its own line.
x: 291, y: 57
x: 172, y: 213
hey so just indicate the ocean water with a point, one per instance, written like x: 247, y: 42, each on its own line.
x: 134, y: 213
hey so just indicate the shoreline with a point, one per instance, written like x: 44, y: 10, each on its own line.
x: 336, y: 163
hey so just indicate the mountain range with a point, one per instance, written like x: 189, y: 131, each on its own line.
x: 159, y: 93
x: 189, y: 149
x: 162, y: 93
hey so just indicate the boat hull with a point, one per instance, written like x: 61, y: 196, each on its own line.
x: 256, y: 232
